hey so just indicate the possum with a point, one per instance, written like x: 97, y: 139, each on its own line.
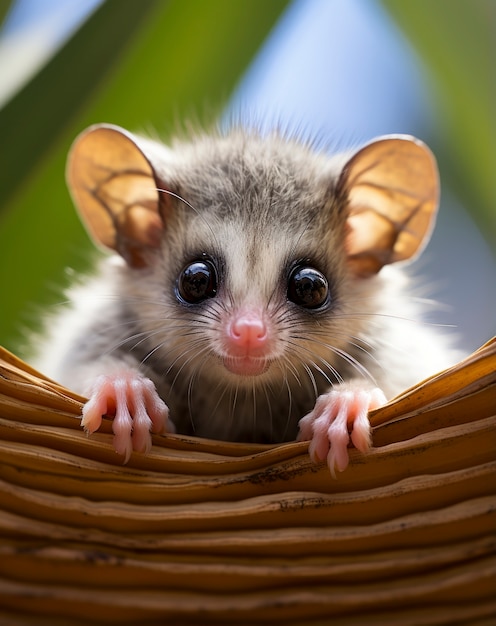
x: 256, y: 289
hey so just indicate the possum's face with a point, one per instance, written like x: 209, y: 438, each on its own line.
x: 251, y: 259
x: 262, y: 310
x: 250, y: 284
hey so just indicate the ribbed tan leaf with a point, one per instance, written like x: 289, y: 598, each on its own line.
x: 207, y: 532
x: 392, y: 185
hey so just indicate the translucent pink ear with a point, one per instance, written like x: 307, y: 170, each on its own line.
x: 113, y: 186
x: 392, y: 187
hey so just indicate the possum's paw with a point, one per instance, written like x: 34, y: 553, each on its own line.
x: 338, y: 415
x: 137, y: 408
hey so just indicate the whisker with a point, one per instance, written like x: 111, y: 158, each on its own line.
x: 290, y: 407
x: 185, y: 364
x: 367, y: 349
x: 183, y: 350
x: 146, y: 335
x: 269, y: 408
x: 196, y: 211
x: 311, y: 377
x: 224, y: 389
x: 289, y: 365
x: 233, y: 402
x: 331, y: 368
x: 254, y: 399
x: 191, y: 386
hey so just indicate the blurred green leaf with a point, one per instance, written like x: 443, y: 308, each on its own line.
x: 456, y: 40
x: 5, y: 6
x: 54, y: 96
x: 182, y: 59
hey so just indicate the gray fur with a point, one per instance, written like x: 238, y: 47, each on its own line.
x: 259, y: 206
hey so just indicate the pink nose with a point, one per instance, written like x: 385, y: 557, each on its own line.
x: 248, y: 332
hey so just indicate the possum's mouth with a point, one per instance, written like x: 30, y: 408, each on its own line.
x: 246, y: 365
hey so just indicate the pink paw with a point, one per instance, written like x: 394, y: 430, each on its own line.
x: 137, y: 408
x: 336, y: 413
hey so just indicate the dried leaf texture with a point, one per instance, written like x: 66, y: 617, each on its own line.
x: 207, y: 532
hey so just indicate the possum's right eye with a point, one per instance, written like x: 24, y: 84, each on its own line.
x: 196, y: 282
x: 308, y: 287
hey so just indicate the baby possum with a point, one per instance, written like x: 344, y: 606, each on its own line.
x: 252, y: 297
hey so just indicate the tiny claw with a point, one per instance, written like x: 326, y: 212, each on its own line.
x: 343, y: 409
x: 138, y: 411
x: 96, y: 407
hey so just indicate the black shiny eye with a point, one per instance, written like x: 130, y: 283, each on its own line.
x: 308, y: 288
x: 197, y: 281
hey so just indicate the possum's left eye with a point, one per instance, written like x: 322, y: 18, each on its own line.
x: 308, y: 287
x: 196, y: 282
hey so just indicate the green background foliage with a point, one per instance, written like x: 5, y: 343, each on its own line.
x: 456, y: 39
x: 138, y: 64
x: 146, y: 65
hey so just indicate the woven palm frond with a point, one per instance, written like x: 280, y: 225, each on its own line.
x: 208, y: 532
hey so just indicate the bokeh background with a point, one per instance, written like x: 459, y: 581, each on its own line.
x: 339, y: 71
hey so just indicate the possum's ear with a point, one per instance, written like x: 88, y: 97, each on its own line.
x: 391, y: 187
x: 114, y: 187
